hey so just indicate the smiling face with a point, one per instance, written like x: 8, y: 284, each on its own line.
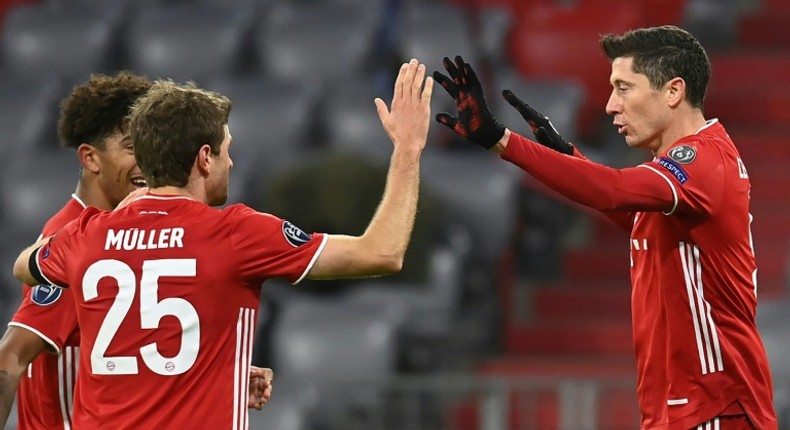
x: 641, y: 113
x: 118, y: 173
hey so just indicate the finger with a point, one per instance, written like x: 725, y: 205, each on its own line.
x: 446, y: 83
x: 471, y: 76
x: 453, y: 71
x: 408, y: 79
x: 399, y: 81
x: 451, y: 122
x: 427, y: 90
x: 416, y: 85
x: 459, y: 64
x: 256, y: 371
x: 381, y: 108
x: 526, y: 111
x: 268, y: 375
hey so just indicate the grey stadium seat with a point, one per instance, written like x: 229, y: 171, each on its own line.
x: 270, y: 123
x: 431, y: 31
x: 28, y: 115
x: 559, y: 100
x: 352, y: 123
x: 69, y: 41
x: 335, y: 347
x: 36, y: 186
x: 185, y: 41
x: 478, y: 192
x: 317, y: 42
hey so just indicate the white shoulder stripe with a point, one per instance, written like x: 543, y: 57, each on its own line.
x: 38, y: 333
x: 313, y: 260
x: 671, y: 186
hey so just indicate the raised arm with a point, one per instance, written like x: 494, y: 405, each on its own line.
x: 381, y: 248
x: 591, y: 184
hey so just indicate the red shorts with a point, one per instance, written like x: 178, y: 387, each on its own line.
x: 728, y: 422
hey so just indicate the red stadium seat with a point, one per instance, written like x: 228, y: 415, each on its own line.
x: 562, y: 43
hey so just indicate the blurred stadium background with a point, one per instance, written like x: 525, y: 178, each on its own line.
x: 513, y: 312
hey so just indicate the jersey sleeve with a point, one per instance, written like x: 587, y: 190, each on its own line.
x: 48, y: 312
x: 591, y: 184
x: 53, y: 258
x: 270, y: 247
x: 694, y: 171
x: 623, y: 219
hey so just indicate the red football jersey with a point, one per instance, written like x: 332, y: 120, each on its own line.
x: 694, y: 295
x: 45, y: 393
x: 167, y: 291
x: 693, y: 272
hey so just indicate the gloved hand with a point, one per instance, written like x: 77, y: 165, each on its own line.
x: 542, y: 128
x: 474, y: 122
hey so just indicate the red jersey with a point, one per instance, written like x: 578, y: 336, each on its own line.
x: 45, y: 393
x: 693, y: 271
x: 167, y: 291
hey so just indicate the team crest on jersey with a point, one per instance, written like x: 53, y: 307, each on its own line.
x: 45, y: 295
x: 294, y: 235
x: 683, y: 154
x: 674, y: 169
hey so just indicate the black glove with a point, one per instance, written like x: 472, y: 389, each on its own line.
x: 542, y: 128
x: 474, y: 120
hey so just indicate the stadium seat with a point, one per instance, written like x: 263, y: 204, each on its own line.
x: 351, y: 122
x: 713, y: 22
x: 320, y: 42
x: 28, y: 114
x: 431, y: 31
x: 185, y: 41
x: 35, y: 186
x: 69, y: 41
x: 559, y: 100
x: 335, y: 347
x: 478, y: 192
x: 553, y: 43
x: 270, y: 124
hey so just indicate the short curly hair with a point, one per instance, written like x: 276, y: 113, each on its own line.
x: 98, y: 108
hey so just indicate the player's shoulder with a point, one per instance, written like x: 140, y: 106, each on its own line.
x: 240, y: 211
x: 70, y: 211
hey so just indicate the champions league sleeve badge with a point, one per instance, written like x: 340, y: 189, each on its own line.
x: 683, y: 154
x: 45, y: 295
x: 294, y: 235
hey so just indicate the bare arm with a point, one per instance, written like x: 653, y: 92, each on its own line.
x: 21, y: 265
x: 380, y: 250
x: 18, y: 348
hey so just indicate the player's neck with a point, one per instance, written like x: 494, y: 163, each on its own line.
x: 170, y: 190
x: 91, y: 195
x: 681, y: 126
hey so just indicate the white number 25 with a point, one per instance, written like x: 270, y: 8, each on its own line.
x: 152, y: 310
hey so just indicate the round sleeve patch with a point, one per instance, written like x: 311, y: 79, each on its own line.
x: 294, y: 235
x: 683, y: 154
x: 45, y: 295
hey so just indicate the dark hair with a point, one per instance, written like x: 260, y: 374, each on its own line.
x: 169, y: 125
x: 98, y: 108
x: 663, y: 53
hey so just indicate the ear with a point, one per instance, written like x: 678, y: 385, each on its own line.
x: 89, y: 158
x: 676, y: 92
x: 204, y: 161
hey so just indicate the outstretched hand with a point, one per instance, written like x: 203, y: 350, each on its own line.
x: 474, y: 121
x: 542, y: 128
x: 407, y: 120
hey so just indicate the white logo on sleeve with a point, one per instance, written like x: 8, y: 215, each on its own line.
x: 683, y: 154
x: 294, y: 235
